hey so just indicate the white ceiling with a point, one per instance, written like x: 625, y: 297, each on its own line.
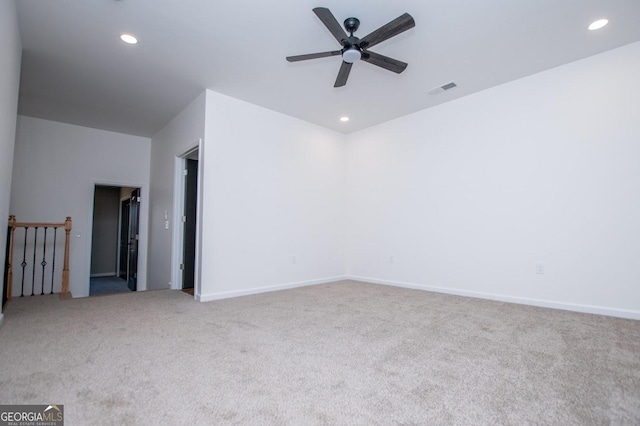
x: 75, y: 69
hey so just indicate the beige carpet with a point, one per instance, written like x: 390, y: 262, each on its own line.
x: 340, y: 353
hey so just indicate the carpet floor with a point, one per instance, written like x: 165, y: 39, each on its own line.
x: 339, y: 353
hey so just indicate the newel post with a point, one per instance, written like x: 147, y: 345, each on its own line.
x: 12, y: 228
x: 64, y: 292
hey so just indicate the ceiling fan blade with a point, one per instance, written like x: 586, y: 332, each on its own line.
x: 343, y: 74
x: 331, y: 23
x: 313, y: 56
x: 384, y: 61
x: 385, y: 32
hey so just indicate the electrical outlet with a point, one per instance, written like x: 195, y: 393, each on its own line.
x: 539, y: 268
x: 293, y: 259
x: 391, y: 259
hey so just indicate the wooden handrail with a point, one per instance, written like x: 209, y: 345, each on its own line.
x: 38, y: 225
x: 13, y: 224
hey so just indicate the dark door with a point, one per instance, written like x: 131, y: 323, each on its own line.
x: 124, y: 239
x: 134, y: 219
x: 190, y: 207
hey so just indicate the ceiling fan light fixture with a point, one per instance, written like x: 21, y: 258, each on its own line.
x: 351, y: 55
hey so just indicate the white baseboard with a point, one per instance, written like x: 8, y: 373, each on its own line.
x: 257, y: 290
x: 103, y: 274
x: 589, y: 309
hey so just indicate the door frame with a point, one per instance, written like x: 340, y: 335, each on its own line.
x: 178, y: 211
x: 122, y: 200
x: 144, y: 225
x: 134, y: 240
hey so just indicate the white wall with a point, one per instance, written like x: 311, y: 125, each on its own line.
x: 10, y: 52
x: 56, y: 167
x: 468, y: 196
x: 177, y: 137
x: 273, y: 188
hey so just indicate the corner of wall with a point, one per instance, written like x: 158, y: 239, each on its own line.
x: 539, y: 171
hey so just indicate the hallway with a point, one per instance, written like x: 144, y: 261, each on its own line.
x: 102, y: 286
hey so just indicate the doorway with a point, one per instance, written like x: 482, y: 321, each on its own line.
x: 188, y: 193
x: 115, y: 237
x: 190, y: 209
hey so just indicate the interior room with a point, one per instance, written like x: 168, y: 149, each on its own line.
x: 336, y: 213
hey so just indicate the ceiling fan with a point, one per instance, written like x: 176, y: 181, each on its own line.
x: 354, y: 48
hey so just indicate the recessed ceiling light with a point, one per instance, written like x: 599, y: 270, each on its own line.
x: 596, y: 25
x: 344, y: 119
x: 128, y: 38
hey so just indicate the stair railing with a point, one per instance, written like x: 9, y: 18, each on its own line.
x: 32, y: 254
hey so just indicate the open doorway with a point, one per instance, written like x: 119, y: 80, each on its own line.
x: 186, y: 210
x: 115, y: 237
x: 190, y: 210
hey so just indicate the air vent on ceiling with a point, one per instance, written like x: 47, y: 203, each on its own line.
x: 442, y: 88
